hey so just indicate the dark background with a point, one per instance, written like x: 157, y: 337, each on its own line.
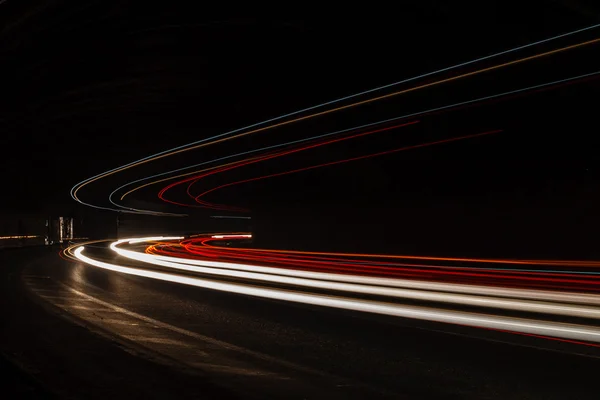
x: 88, y: 86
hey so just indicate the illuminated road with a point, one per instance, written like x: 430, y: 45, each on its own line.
x: 287, y: 347
x: 344, y: 290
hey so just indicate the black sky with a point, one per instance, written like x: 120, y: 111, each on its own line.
x: 88, y: 86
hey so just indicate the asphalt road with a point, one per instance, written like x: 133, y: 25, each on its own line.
x: 73, y: 330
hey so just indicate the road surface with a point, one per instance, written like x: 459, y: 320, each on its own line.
x: 72, y: 326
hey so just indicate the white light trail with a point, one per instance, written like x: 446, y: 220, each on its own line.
x: 382, y: 287
x: 149, y: 239
x: 542, y: 295
x: 545, y: 328
x: 230, y: 236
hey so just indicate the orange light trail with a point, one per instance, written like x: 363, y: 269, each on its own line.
x: 495, y: 305
x: 577, y: 263
x: 340, y: 108
x: 187, y: 174
x: 462, y: 105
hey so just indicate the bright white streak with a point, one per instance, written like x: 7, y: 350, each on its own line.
x: 543, y: 295
x: 567, y: 331
x: 241, y: 271
x: 230, y: 236
x: 150, y: 239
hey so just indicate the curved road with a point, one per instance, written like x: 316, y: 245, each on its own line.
x: 247, y: 347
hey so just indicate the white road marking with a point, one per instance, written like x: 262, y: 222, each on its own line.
x: 156, y: 340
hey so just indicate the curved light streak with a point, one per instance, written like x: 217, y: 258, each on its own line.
x: 427, y: 258
x: 203, y: 142
x: 446, y: 287
x: 201, y: 249
x: 266, y: 157
x: 215, y: 206
x: 481, y: 320
x: 282, y: 276
x: 188, y: 248
x: 416, y: 114
x: 345, y: 161
x: 270, y: 156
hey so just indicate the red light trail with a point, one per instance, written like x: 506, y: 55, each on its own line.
x: 364, y: 157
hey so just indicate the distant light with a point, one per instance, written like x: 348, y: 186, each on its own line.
x: 230, y: 216
x: 19, y: 237
x: 151, y: 239
x: 229, y: 236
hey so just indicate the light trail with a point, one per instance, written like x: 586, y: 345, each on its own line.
x: 342, y: 264
x: 281, y: 276
x: 546, y: 85
x: 275, y: 155
x: 345, y: 161
x: 374, y: 267
x: 324, y: 271
x: 446, y: 287
x: 205, y: 249
x: 153, y: 239
x: 224, y: 136
x: 230, y: 216
x: 231, y: 236
x: 578, y: 332
x: 19, y: 237
x: 208, y: 205
x: 540, y: 280
x: 299, y: 149
x: 444, y: 292
x: 428, y: 258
